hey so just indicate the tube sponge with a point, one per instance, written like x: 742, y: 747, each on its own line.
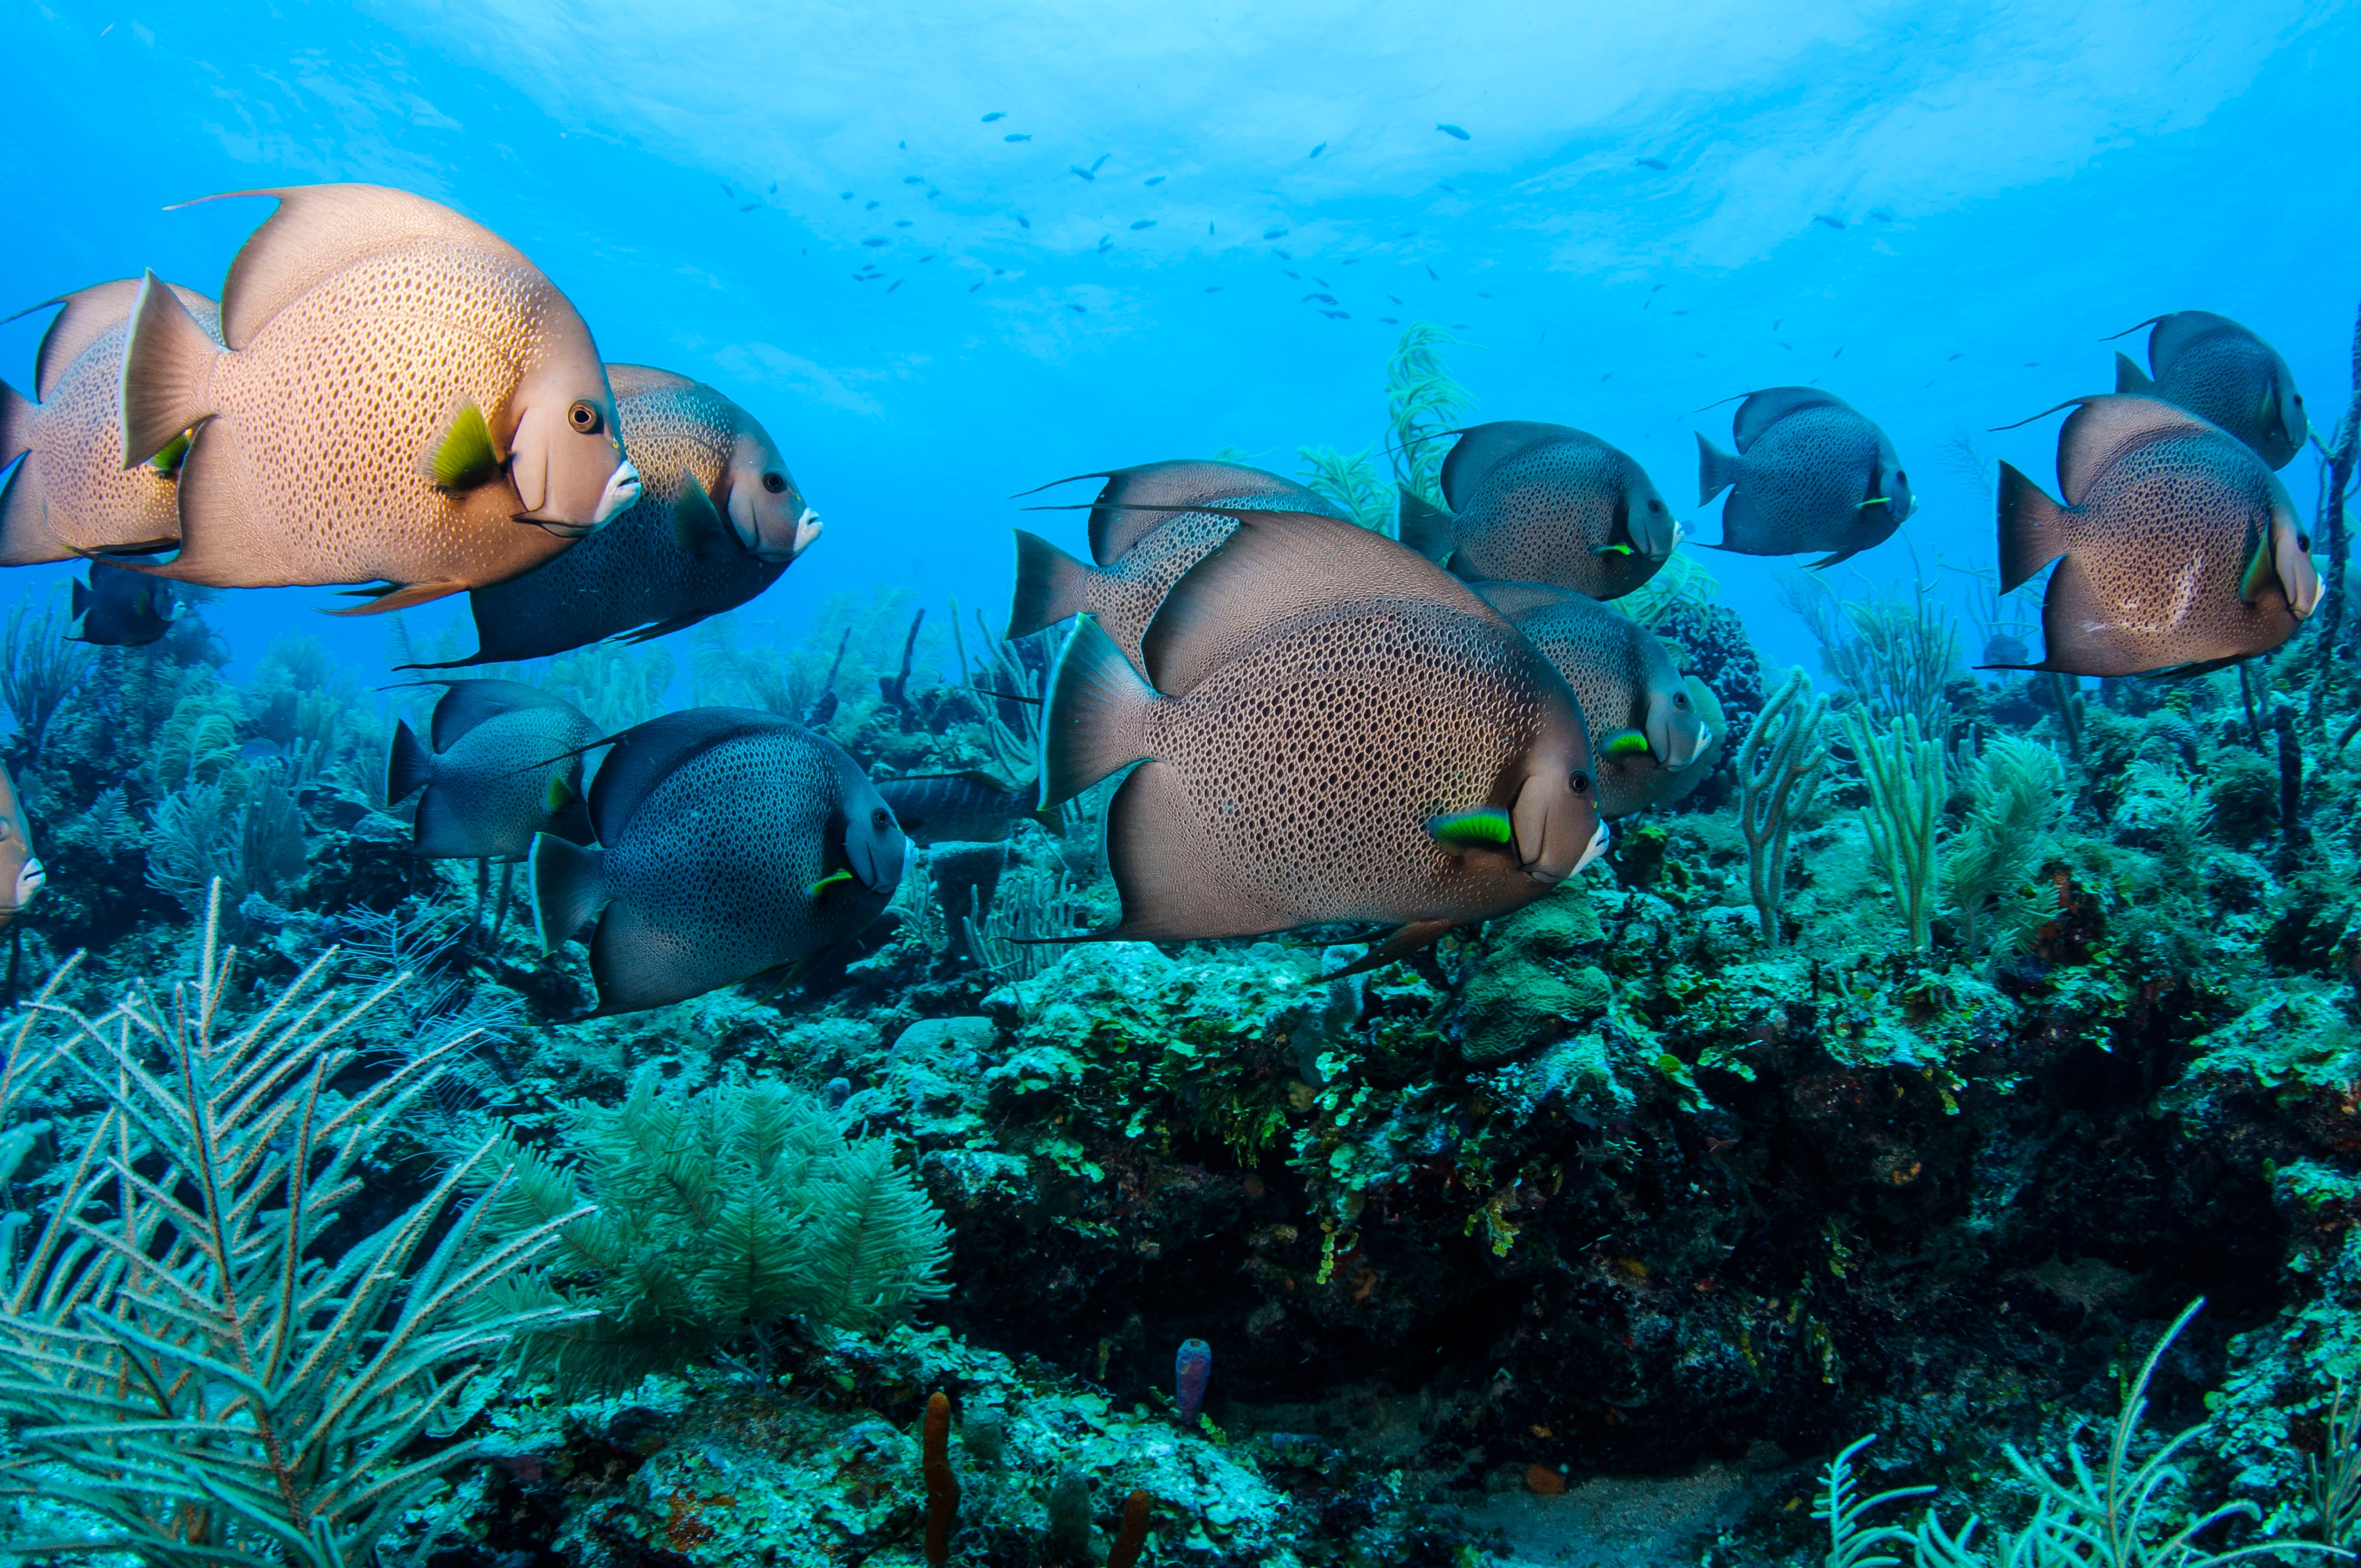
x: 942, y: 1486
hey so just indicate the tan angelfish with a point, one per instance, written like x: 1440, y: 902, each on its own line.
x: 21, y: 877
x: 403, y: 397
x: 72, y: 496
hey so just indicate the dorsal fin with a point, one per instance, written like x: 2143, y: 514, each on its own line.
x: 465, y: 703
x: 638, y: 381
x: 1766, y: 408
x: 88, y: 314
x: 319, y: 230
x: 2174, y: 334
x: 1178, y: 483
x: 1483, y: 447
x: 645, y: 754
x: 2103, y: 428
x: 1280, y: 566
x: 1517, y: 600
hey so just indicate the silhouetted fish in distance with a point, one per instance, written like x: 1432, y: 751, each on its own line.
x: 1543, y: 503
x: 733, y: 844
x: 1332, y: 728
x: 116, y: 609
x: 2220, y: 372
x: 1453, y: 132
x: 1811, y: 473
x: 505, y: 764
x: 2181, y: 552
x: 971, y: 807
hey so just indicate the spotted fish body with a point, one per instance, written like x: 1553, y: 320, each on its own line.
x: 672, y: 557
x: 2181, y: 552
x: 122, y: 609
x: 970, y: 808
x: 72, y: 496
x: 732, y: 843
x: 1545, y: 503
x: 21, y: 876
x: 1319, y: 747
x: 401, y: 389
x: 1153, y: 548
x: 1811, y: 474
x: 2224, y: 374
x: 506, y: 764
x: 1645, y: 724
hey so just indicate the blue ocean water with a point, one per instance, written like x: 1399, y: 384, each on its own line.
x: 1641, y: 221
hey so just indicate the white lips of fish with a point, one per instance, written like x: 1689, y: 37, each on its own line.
x: 622, y: 489
x: 1598, y: 848
x: 807, y: 529
x: 31, y: 879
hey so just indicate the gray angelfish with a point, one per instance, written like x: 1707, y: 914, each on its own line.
x: 506, y: 764
x: 732, y: 843
x: 2220, y: 372
x: 2177, y: 551
x: 971, y: 807
x: 719, y: 517
x: 1336, y: 729
x: 70, y: 495
x: 116, y: 609
x: 1811, y: 473
x: 1543, y: 503
x: 21, y: 874
x: 401, y: 389
x: 1645, y: 727
x: 1145, y: 541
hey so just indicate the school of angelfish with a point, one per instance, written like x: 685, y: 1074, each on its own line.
x: 1323, y: 725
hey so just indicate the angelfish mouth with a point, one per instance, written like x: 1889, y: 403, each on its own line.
x: 1598, y: 848
x: 622, y: 489
x: 807, y: 529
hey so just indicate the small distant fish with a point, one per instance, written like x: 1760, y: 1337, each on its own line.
x: 121, y: 609
x: 20, y: 869
x: 969, y: 808
x: 1481, y: 295
x: 731, y: 844
x: 893, y: 285
x: 913, y: 179
x: 972, y: 288
x: 1274, y: 233
x: 1431, y: 273
x: 774, y: 187
x: 1322, y: 281
x: 1391, y: 321
x: 728, y: 191
x: 1099, y: 161
x: 1812, y: 473
x: 1338, y: 315
x: 2007, y: 650
x: 874, y: 241
x: 505, y: 764
x: 1078, y: 309
x: 1106, y: 243
x: 749, y: 206
x: 1213, y: 288
x: 903, y: 223
x: 1393, y: 299
x: 1882, y: 215
x: 1840, y: 352
x: 1321, y: 148
x: 1143, y: 224
x: 1656, y: 164
x: 1949, y: 358
x: 2181, y: 552
x: 871, y: 206
x: 999, y: 271
x: 2220, y: 372
x: 903, y: 145
x: 1297, y: 276
x: 1324, y: 299
x: 1453, y: 188
x: 1153, y: 180
x: 1018, y: 136
x: 995, y: 115
x: 844, y: 195
x: 1081, y: 172
x: 1676, y: 313
x: 1647, y: 726
x: 1453, y: 131
x: 1828, y: 218
x: 929, y: 256
x: 1023, y: 221
x: 1530, y: 502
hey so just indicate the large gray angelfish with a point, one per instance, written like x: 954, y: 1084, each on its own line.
x: 1543, y: 503
x: 1812, y: 473
x: 732, y: 843
x: 2220, y: 372
x: 505, y: 764
x: 1336, y: 729
x: 2181, y: 553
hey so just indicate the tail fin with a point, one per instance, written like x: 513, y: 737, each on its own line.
x: 1095, y: 720
x: 1717, y: 470
x: 569, y: 886
x: 1427, y: 528
x: 410, y: 768
x: 78, y: 600
x: 1051, y: 586
x: 2130, y: 377
x: 2032, y: 529
x: 168, y: 367
x: 15, y: 424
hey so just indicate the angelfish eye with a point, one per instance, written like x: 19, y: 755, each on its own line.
x: 1579, y: 782
x: 1682, y: 700
x: 1655, y: 506
x: 583, y: 418
x: 2303, y: 543
x: 881, y: 819
x: 776, y: 483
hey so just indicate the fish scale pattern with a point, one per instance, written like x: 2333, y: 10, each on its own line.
x: 2229, y: 378
x: 315, y: 468
x: 500, y: 797
x: 82, y: 498
x: 2154, y: 557
x: 634, y: 572
x: 1806, y: 477
x: 1617, y: 669
x: 715, y: 866
x: 1307, y: 767
x: 1543, y: 515
x: 1125, y: 596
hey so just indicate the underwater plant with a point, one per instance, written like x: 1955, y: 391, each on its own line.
x: 1903, y: 770
x: 720, y: 1213
x: 1423, y: 404
x: 1351, y: 480
x: 2016, y: 797
x: 39, y: 669
x: 1779, y: 772
x: 1850, y: 1544
x: 1894, y: 654
x: 199, y: 834
x: 195, y: 1348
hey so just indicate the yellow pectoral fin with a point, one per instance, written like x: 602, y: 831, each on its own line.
x: 465, y: 458
x: 2258, y: 570
x: 828, y: 882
